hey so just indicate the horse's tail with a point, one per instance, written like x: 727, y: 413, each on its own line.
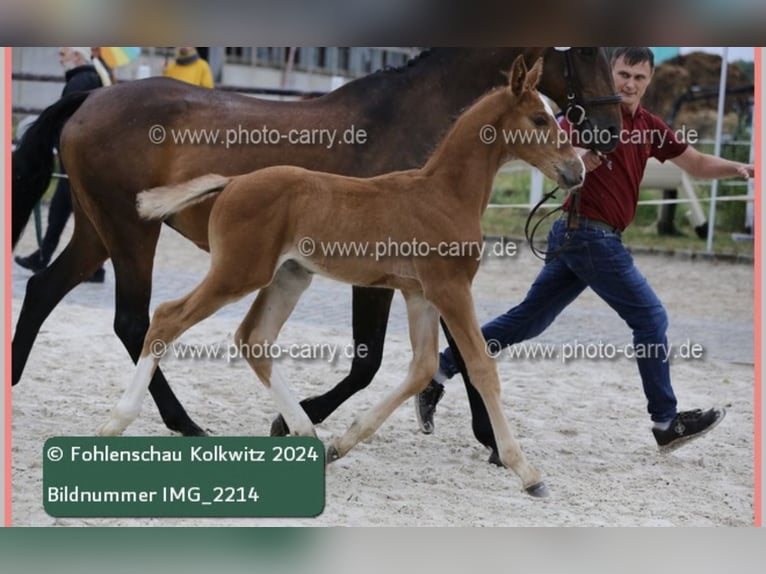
x: 32, y: 161
x: 162, y: 202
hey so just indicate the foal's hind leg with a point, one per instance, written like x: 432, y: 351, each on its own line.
x: 370, y: 318
x: 424, y: 338
x: 169, y: 322
x: 261, y: 328
x: 456, y: 306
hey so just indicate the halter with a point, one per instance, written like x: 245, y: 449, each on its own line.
x: 575, y: 108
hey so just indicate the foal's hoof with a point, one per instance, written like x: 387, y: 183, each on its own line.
x: 279, y: 427
x: 331, y: 455
x: 110, y: 428
x: 538, y: 490
x: 494, y: 458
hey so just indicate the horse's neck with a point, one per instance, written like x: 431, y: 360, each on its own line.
x: 465, y: 74
x: 464, y: 161
x: 434, y: 90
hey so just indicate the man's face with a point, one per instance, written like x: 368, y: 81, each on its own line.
x: 631, y: 81
x: 66, y: 58
x: 70, y: 58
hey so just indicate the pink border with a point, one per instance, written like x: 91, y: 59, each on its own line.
x: 757, y: 124
x: 7, y: 159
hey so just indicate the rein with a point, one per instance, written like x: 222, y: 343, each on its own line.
x: 529, y: 234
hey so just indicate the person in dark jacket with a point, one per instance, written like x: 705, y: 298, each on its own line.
x: 80, y: 75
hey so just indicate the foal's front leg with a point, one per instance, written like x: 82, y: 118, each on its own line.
x: 424, y: 338
x: 456, y: 306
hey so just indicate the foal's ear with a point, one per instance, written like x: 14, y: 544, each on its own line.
x: 534, y: 75
x: 518, y: 75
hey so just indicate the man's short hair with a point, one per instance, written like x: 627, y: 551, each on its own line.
x: 634, y: 55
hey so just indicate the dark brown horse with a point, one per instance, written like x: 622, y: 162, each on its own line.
x: 118, y: 141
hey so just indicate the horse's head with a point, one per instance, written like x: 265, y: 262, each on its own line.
x: 580, y: 81
x: 530, y: 130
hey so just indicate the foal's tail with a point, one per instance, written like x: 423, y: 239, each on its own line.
x: 32, y: 161
x: 162, y: 202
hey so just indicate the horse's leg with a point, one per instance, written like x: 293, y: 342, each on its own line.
x: 133, y: 280
x: 169, y: 322
x: 424, y: 338
x: 370, y: 319
x: 261, y: 328
x: 456, y: 306
x: 80, y: 258
x: 482, y: 429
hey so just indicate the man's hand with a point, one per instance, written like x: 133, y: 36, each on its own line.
x: 746, y: 170
x: 591, y: 160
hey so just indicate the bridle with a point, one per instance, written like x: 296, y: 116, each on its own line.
x: 576, y: 115
x: 574, y: 111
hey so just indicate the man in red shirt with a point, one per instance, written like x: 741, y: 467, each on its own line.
x: 587, y: 251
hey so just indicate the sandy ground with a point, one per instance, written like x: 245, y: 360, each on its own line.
x: 582, y: 423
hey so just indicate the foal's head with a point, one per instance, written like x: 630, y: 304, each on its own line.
x: 530, y: 130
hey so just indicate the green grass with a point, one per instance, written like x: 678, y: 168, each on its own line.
x: 512, y: 188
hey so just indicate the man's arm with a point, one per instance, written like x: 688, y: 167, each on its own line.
x: 705, y: 166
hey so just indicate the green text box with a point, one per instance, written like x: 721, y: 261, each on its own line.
x: 179, y: 476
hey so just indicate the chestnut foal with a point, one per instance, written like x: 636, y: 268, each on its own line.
x: 284, y: 209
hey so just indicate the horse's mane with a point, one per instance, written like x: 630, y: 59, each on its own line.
x: 414, y: 61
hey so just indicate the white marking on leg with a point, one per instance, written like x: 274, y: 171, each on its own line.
x: 129, y: 405
x: 288, y: 405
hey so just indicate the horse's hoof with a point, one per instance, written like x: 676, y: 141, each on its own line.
x: 331, y: 455
x: 189, y: 429
x: 494, y: 458
x: 110, y: 428
x: 538, y: 490
x: 279, y: 427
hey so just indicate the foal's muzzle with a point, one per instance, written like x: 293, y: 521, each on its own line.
x: 572, y: 175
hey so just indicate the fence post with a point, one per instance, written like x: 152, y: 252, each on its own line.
x: 536, y: 187
x: 717, y: 147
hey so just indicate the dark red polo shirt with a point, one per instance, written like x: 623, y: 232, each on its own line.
x: 611, y: 195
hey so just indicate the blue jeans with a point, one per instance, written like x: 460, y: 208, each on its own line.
x: 595, y: 258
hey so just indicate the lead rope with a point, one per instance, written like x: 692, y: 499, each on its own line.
x: 530, y: 234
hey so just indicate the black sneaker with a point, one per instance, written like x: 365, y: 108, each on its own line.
x: 33, y: 262
x: 425, y: 405
x: 687, y: 426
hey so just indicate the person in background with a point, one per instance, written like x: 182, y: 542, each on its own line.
x: 189, y: 67
x: 80, y: 75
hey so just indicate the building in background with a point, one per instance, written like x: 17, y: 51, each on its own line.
x: 314, y: 69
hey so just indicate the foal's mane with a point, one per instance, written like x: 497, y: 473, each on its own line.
x: 466, y: 116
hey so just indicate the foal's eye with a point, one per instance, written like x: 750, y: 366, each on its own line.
x: 540, y: 121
